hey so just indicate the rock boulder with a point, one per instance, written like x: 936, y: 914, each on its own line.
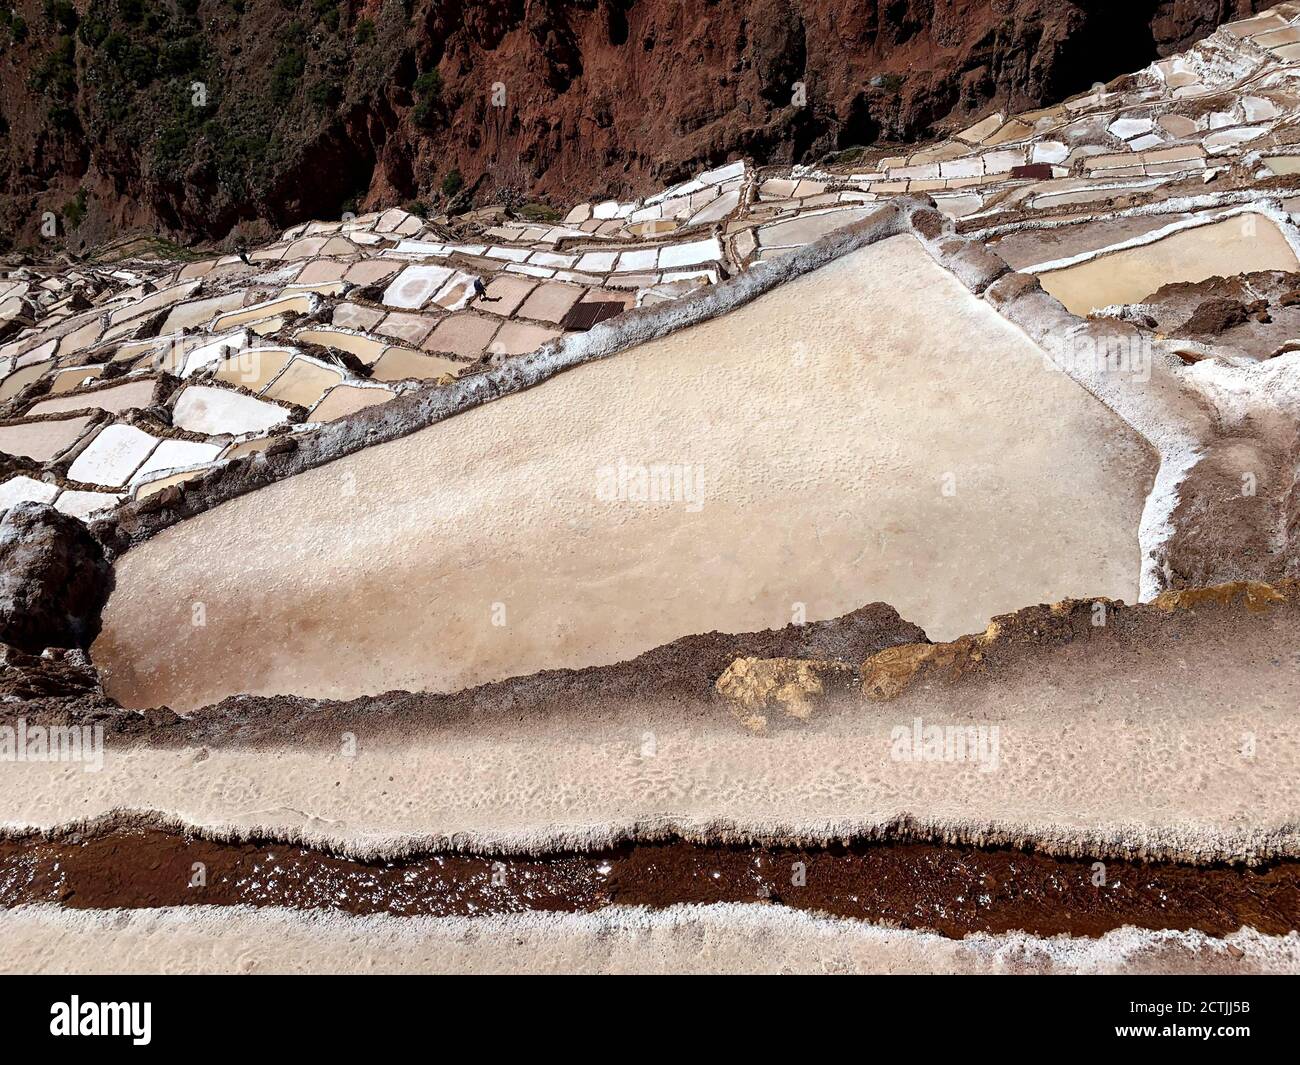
x: 54, y: 579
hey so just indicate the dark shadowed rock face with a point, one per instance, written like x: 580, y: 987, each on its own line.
x: 54, y: 579
x: 56, y: 674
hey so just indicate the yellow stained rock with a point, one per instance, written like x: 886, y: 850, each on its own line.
x: 888, y: 673
x: 755, y: 684
x: 1255, y: 596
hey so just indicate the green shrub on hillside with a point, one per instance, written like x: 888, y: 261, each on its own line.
x: 286, y: 74
x: 327, y: 13
x: 182, y: 56
x: 136, y: 62
x: 62, y: 117
x: 93, y: 31
x: 56, y: 73
x: 325, y: 94
x: 428, y: 96
x: 428, y: 86
x: 60, y: 14
x: 539, y: 212
x: 74, y: 211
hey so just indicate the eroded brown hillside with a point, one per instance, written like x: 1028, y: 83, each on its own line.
x: 198, y: 116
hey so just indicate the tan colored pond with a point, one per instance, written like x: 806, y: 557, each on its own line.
x: 868, y: 432
x: 114, y: 399
x: 1235, y: 245
x: 41, y: 440
x: 1283, y: 164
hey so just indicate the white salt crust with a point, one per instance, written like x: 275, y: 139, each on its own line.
x: 724, y: 938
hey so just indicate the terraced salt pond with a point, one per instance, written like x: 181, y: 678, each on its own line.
x: 1240, y: 244
x: 868, y: 432
x: 41, y: 440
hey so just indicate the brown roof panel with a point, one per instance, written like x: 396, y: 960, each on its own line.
x: 583, y: 316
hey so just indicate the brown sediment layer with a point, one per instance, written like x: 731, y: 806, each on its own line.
x: 62, y: 674
x: 892, y: 654
x: 1015, y: 637
x: 952, y: 890
x: 683, y: 671
x: 1253, y: 314
x: 1124, y: 739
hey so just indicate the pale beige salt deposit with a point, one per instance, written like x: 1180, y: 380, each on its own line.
x: 870, y: 431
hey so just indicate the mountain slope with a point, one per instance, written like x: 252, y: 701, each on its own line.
x: 194, y: 117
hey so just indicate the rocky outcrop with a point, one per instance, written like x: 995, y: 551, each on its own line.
x: 54, y: 580
x: 752, y: 685
x: 1255, y: 314
x: 56, y: 674
x: 1015, y: 639
x: 199, y: 117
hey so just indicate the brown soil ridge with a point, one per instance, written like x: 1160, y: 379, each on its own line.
x: 949, y: 889
x: 1030, y: 655
x: 681, y: 672
x: 1041, y: 629
x: 786, y: 670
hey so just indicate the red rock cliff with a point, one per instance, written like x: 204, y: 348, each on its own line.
x: 196, y: 116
